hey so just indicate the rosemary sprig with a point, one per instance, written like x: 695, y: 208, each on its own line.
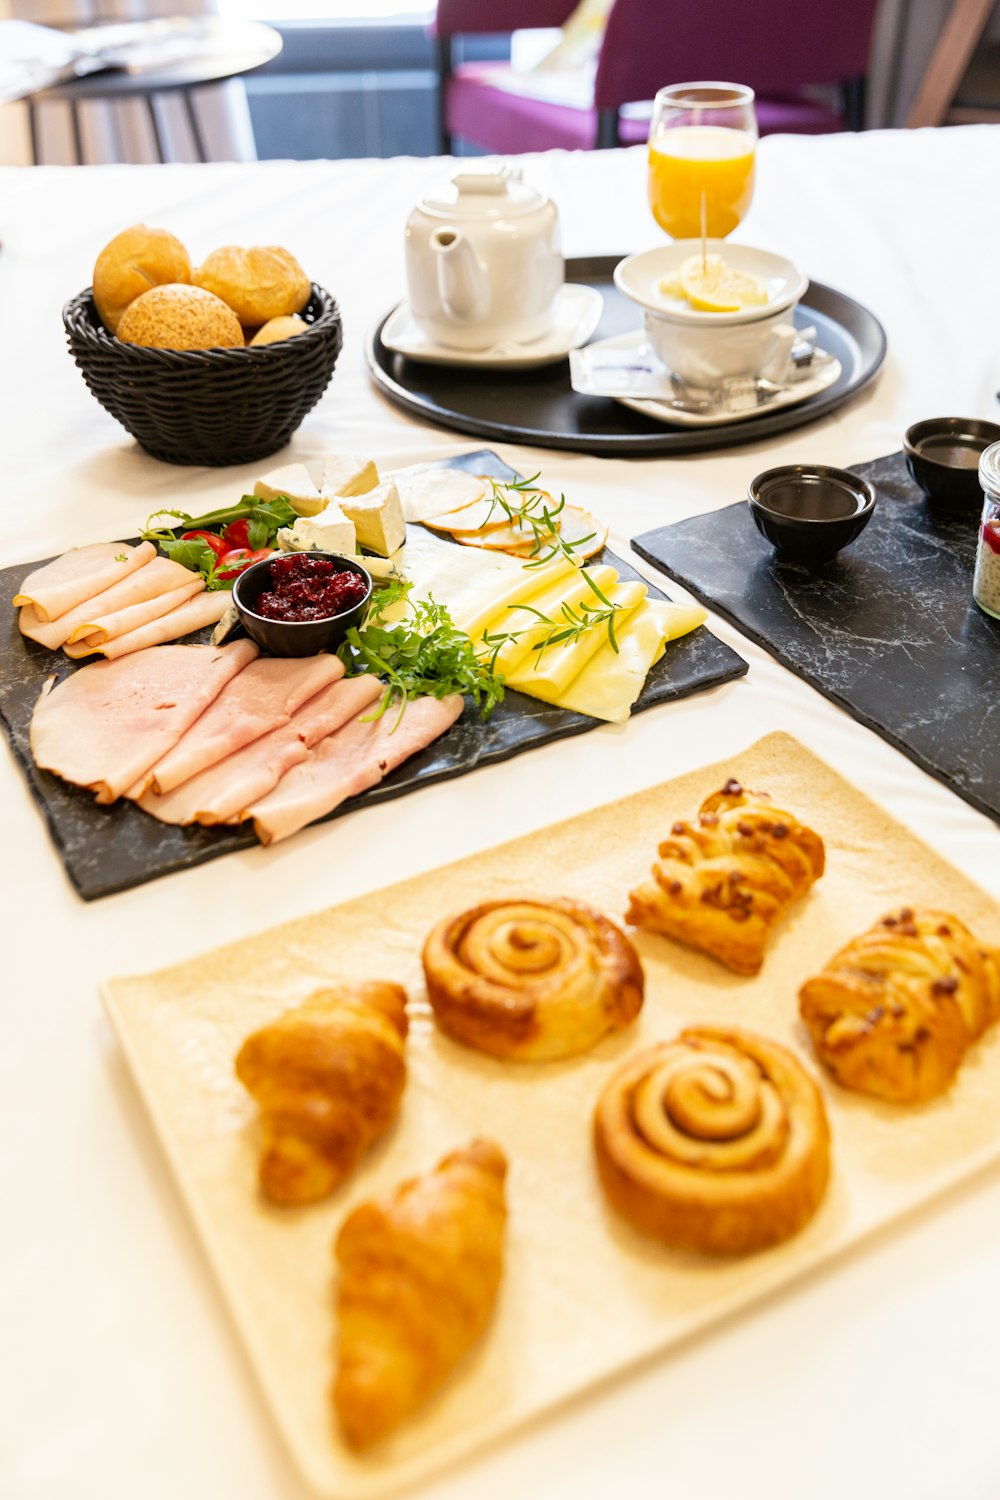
x: 575, y: 622
x: 535, y: 511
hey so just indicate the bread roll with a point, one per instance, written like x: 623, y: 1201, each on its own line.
x: 258, y: 284
x: 276, y: 329
x: 131, y: 263
x: 180, y: 317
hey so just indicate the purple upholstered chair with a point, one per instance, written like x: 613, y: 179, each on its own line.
x: 778, y: 47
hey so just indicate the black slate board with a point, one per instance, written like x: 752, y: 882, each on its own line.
x: 541, y: 407
x: 109, y: 849
x: 888, y: 630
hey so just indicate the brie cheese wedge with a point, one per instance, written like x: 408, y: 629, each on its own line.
x: 343, y: 474
x: 378, y: 518
x: 294, y: 482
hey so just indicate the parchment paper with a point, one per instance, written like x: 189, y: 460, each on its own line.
x: 584, y: 1296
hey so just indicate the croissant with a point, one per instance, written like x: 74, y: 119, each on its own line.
x: 328, y: 1078
x: 717, y: 1141
x: 419, y: 1274
x: 531, y: 979
x: 893, y: 1013
x: 722, y: 882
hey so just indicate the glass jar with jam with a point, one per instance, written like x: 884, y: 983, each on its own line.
x: 986, y: 579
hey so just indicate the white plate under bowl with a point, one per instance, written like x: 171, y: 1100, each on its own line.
x: 661, y: 411
x: 577, y: 313
x: 638, y: 277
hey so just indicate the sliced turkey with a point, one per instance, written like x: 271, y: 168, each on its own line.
x: 153, y: 580
x: 223, y: 792
x: 261, y: 698
x: 78, y: 575
x: 107, y: 724
x: 348, y: 762
x: 125, y: 621
x: 203, y: 609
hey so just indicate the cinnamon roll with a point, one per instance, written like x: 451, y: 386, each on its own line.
x: 894, y: 1011
x: 715, y: 1141
x: 531, y: 979
x: 723, y: 881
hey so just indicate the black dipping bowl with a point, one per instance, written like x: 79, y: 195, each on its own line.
x: 808, y: 512
x: 297, y: 637
x: 943, y: 454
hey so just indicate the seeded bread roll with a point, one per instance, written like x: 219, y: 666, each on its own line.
x: 180, y: 317
x: 131, y: 263
x: 261, y: 283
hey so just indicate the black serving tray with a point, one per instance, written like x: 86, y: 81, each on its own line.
x: 888, y: 630
x: 540, y: 406
x: 109, y: 849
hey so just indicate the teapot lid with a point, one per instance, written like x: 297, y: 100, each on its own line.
x: 477, y: 193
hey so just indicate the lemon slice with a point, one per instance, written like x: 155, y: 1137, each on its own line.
x: 712, y: 286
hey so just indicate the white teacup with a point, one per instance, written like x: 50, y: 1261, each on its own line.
x: 704, y: 348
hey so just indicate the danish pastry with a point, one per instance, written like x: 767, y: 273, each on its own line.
x: 328, y: 1077
x: 723, y: 881
x: 716, y: 1141
x: 894, y: 1011
x: 531, y: 979
x: 419, y: 1274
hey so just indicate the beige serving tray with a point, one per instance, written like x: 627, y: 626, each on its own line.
x: 584, y: 1296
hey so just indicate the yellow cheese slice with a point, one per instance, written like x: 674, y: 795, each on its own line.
x: 517, y: 586
x: 573, y: 592
x: 547, y: 675
x: 610, y: 683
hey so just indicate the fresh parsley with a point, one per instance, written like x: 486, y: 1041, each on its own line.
x: 422, y: 655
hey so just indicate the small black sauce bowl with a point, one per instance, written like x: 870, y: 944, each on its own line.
x: 296, y: 637
x: 945, y: 483
x: 808, y: 512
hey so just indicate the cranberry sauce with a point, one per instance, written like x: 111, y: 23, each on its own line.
x: 301, y: 587
x: 991, y: 535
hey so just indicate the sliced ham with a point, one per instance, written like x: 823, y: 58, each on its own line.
x: 154, y: 579
x: 261, y: 698
x: 110, y: 627
x: 348, y: 762
x: 106, y: 725
x: 223, y: 793
x: 78, y: 575
x: 203, y: 609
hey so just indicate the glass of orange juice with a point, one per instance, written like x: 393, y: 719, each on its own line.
x: 702, y: 145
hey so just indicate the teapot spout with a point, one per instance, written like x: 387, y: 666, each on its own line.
x: 462, y: 280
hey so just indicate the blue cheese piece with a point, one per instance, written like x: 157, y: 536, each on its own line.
x: 378, y: 518
x: 295, y: 483
x: 329, y: 532
x: 343, y: 474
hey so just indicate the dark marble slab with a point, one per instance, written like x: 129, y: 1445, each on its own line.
x: 109, y: 849
x: 888, y: 630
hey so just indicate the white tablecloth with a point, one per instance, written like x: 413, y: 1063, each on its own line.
x: 120, y: 1377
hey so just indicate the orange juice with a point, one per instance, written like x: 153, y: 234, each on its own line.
x: 694, y: 160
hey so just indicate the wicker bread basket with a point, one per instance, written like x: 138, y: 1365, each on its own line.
x: 208, y: 406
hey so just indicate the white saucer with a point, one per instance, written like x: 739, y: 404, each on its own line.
x: 662, y: 411
x: 577, y: 313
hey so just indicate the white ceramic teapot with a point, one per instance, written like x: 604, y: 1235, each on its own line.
x: 483, y: 262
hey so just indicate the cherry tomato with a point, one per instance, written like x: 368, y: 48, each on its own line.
x: 217, y: 544
x: 237, y: 558
x: 237, y: 533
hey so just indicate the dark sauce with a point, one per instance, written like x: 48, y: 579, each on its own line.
x: 953, y: 449
x: 302, y: 588
x: 808, y: 499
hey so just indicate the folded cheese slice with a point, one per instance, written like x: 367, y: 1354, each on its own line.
x: 491, y: 607
x: 106, y: 725
x: 67, y: 581
x: 152, y: 580
x: 548, y: 674
x: 529, y: 630
x: 263, y: 697
x: 224, y: 792
x: 611, y: 681
x: 348, y: 762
